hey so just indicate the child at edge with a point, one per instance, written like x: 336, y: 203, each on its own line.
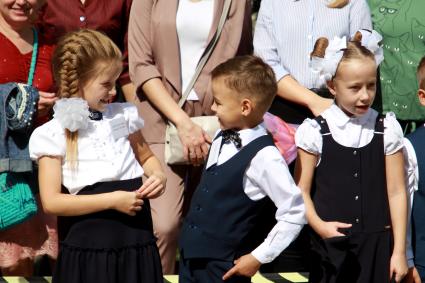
x: 243, y: 170
x: 93, y: 152
x: 353, y: 159
x: 415, y: 168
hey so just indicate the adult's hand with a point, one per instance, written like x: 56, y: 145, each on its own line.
x: 45, y: 102
x: 195, y: 142
x: 320, y: 104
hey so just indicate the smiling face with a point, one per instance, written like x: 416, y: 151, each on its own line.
x: 354, y: 85
x: 19, y: 12
x: 98, y: 91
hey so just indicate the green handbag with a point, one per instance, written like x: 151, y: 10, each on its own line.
x: 17, y: 203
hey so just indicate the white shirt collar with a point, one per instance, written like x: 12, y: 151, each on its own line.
x: 248, y: 135
x: 341, y: 119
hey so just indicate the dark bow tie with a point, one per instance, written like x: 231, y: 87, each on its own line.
x: 95, y: 115
x: 232, y: 136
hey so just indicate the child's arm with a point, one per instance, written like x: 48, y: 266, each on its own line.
x: 396, y: 189
x: 154, y: 186
x: 57, y: 203
x: 304, y: 172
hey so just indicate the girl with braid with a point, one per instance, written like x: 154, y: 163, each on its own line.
x: 91, y: 159
x: 358, y: 216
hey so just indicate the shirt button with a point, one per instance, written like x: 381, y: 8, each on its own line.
x: 82, y: 18
x: 355, y: 175
x: 355, y: 152
x: 357, y: 220
x: 356, y: 197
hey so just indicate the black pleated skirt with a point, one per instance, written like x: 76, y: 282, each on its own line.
x: 108, y: 246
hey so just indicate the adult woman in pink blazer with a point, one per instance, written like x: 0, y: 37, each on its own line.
x: 166, y: 40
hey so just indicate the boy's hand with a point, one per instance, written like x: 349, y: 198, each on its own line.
x: 398, y: 267
x: 330, y: 229
x: 412, y: 276
x: 246, y: 265
x: 154, y: 186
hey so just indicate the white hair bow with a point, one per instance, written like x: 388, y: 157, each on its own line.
x: 370, y: 40
x: 326, y: 67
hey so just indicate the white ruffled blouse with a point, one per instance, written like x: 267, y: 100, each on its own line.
x: 104, y: 151
x: 349, y: 132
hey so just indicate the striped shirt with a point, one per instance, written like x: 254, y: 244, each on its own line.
x: 286, y: 31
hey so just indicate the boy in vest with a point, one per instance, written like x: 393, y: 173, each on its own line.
x: 414, y: 152
x: 243, y: 170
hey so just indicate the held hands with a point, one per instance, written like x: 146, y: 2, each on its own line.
x: 412, y: 276
x: 330, y: 229
x: 246, y: 265
x: 154, y: 186
x: 195, y: 142
x: 127, y: 202
x: 398, y: 267
x: 45, y: 102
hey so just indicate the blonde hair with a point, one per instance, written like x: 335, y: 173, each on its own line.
x: 79, y: 57
x: 338, y: 4
x: 354, y: 49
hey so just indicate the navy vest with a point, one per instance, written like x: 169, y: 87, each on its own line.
x: 221, y: 215
x: 417, y: 139
x: 350, y: 183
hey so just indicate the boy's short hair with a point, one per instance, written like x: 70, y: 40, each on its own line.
x: 249, y: 76
x: 421, y: 73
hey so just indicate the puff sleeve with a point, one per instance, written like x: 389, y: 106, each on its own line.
x: 308, y: 137
x: 393, y: 134
x: 135, y: 122
x: 48, y: 139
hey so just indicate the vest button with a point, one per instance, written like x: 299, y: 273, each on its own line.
x: 355, y: 175
x: 357, y: 220
x: 198, y: 208
x: 355, y: 152
x: 356, y: 197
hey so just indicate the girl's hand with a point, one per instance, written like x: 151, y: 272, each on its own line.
x: 398, y: 267
x: 320, y: 105
x: 412, y: 276
x: 127, y: 202
x: 45, y: 102
x: 330, y: 229
x: 195, y: 142
x: 154, y: 185
x: 246, y: 265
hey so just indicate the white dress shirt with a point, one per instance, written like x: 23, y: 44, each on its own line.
x: 286, y: 31
x: 267, y: 175
x: 412, y: 183
x: 103, y: 154
x: 349, y: 132
x: 193, y: 22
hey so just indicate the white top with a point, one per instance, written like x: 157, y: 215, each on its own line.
x: 412, y: 183
x: 349, y: 132
x: 103, y: 154
x: 267, y: 175
x: 193, y: 22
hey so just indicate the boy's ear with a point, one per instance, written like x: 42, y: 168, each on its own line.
x: 246, y: 107
x: 331, y: 87
x: 421, y: 96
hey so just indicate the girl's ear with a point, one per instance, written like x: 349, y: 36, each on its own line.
x: 331, y: 86
x: 421, y: 96
x: 246, y: 107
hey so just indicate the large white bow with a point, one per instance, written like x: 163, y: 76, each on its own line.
x: 370, y: 40
x: 326, y: 67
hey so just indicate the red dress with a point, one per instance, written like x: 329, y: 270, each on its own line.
x: 38, y: 235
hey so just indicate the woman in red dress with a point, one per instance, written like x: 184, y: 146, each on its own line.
x: 20, y: 244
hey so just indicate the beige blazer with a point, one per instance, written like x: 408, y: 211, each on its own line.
x: 154, y: 53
